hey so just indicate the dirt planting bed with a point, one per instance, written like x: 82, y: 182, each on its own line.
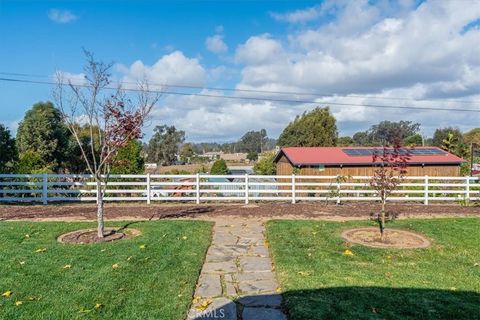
x: 348, y: 210
x: 86, y: 236
x: 394, y: 238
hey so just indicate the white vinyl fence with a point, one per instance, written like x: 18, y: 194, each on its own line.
x: 45, y: 188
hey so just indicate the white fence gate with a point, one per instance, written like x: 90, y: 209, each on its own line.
x: 45, y: 188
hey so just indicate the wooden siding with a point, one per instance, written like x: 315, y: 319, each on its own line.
x: 284, y: 167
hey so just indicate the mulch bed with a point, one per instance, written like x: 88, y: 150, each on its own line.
x: 394, y: 238
x: 87, y: 236
x: 260, y: 210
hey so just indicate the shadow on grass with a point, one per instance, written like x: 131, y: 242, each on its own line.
x: 189, y: 212
x: 356, y: 303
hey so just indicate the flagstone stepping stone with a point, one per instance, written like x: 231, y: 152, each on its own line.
x: 257, y: 264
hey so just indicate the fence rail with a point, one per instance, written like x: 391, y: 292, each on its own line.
x: 45, y: 188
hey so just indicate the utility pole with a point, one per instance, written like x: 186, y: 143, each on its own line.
x: 471, y: 159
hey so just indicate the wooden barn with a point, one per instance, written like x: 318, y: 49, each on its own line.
x: 358, y: 161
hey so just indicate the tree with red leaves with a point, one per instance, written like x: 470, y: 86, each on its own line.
x: 112, y: 118
x: 390, y: 168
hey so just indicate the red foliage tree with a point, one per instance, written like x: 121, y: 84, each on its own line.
x: 113, y: 120
x: 390, y: 168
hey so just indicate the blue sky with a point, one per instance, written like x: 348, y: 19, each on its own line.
x: 363, y: 52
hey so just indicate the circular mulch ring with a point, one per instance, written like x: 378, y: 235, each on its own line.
x: 394, y: 238
x: 87, y: 236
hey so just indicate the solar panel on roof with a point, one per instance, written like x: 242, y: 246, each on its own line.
x: 403, y: 151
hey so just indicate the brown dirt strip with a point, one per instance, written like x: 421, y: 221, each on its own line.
x: 138, y: 211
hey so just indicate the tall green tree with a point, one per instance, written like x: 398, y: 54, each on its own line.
x: 43, y: 132
x: 472, y: 136
x: 441, y: 134
x: 187, y: 152
x: 253, y: 141
x: 316, y: 128
x: 345, y: 141
x: 386, y: 132
x: 361, y: 138
x: 164, y: 144
x: 451, y: 140
x: 8, y: 150
x: 413, y: 140
x: 128, y: 159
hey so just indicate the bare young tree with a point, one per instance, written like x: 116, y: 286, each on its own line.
x: 390, y: 170
x: 112, y: 117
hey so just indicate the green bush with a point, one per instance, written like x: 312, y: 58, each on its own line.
x: 219, y: 167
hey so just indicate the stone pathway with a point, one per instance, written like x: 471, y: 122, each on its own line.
x: 237, y: 281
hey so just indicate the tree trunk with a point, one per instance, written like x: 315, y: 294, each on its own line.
x: 382, y: 221
x: 100, y: 224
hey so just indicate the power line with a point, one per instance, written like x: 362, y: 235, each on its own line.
x: 254, y: 98
x: 310, y: 94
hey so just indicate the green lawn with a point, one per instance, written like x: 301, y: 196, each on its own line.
x: 155, y: 277
x: 320, y: 282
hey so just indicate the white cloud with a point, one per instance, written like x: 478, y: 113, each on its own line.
x: 171, y: 69
x: 259, y: 50
x: 67, y: 77
x: 61, y: 16
x: 298, y: 16
x: 216, y: 44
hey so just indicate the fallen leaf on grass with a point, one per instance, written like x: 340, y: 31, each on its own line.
x: 67, y: 266
x: 142, y: 246
x: 348, y: 253
x: 304, y: 273
x: 115, y: 266
x: 27, y: 236
x: 98, y: 306
x: 41, y: 250
x: 388, y: 274
x: 129, y: 258
x: 7, y: 294
x: 22, y: 263
x: 18, y: 303
x: 184, y: 238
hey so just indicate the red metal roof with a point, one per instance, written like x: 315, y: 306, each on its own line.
x: 337, y: 156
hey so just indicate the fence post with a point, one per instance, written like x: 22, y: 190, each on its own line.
x: 293, y: 188
x: 425, y: 188
x: 44, y: 189
x: 246, y: 188
x: 149, y: 189
x: 467, y: 193
x: 338, y: 190
x: 197, y: 189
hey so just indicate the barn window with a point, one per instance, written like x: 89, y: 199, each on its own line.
x: 320, y: 167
